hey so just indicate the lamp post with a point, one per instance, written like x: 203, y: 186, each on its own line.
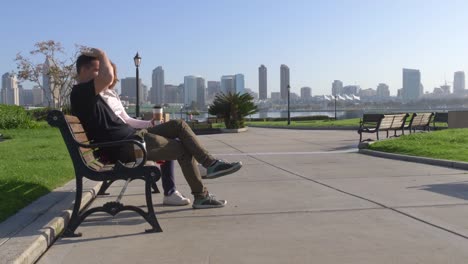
x: 289, y: 112
x: 137, y: 60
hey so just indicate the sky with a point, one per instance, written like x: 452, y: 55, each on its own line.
x: 363, y: 42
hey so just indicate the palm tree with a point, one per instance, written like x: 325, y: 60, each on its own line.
x: 233, y: 108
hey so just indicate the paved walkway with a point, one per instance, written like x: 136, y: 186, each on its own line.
x: 302, y: 197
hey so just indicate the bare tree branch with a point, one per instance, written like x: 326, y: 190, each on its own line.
x: 56, y: 67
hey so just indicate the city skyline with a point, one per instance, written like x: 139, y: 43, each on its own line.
x: 358, y: 42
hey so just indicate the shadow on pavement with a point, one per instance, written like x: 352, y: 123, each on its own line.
x: 455, y: 189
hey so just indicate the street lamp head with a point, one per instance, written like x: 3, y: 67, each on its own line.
x: 137, y: 60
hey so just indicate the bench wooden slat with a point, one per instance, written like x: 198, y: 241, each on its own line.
x: 77, y: 128
x: 81, y: 137
x: 94, y: 166
x: 85, y: 150
x: 89, y: 157
x: 72, y: 119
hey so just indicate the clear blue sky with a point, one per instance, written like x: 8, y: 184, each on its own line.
x: 356, y: 41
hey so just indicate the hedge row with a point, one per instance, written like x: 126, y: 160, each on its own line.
x: 13, y: 116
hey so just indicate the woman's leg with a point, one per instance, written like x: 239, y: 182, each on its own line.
x: 168, y: 181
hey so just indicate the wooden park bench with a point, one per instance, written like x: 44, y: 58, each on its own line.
x: 421, y: 121
x: 83, y: 154
x: 369, y: 124
x: 374, y: 123
x: 439, y: 118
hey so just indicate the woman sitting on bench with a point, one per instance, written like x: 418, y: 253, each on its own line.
x: 171, y: 195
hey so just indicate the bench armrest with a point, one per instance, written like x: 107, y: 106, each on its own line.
x: 116, y: 144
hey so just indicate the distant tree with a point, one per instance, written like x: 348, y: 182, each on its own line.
x: 48, y: 64
x: 233, y: 108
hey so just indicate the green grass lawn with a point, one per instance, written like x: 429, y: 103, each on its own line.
x: 449, y: 144
x: 32, y: 163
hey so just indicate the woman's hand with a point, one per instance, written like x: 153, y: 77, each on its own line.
x: 155, y: 122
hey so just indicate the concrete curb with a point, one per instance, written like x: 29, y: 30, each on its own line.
x: 430, y: 161
x: 234, y: 130
x: 28, y: 241
x: 308, y: 128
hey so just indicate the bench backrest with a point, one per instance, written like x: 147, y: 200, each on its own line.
x: 421, y: 119
x: 441, y: 117
x: 72, y: 132
x: 372, y: 118
x: 396, y: 121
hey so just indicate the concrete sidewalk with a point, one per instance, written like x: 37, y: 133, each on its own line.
x: 302, y: 197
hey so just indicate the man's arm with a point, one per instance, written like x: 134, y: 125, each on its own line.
x: 106, y: 72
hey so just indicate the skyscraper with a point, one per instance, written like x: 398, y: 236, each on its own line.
x: 262, y: 82
x: 21, y: 94
x: 351, y: 90
x: 51, y: 91
x: 239, y: 83
x: 171, y: 93
x: 180, y: 93
x: 38, y: 96
x: 201, y: 101
x: 157, y: 93
x: 192, y: 90
x: 284, y: 80
x: 459, y: 83
x: 306, y: 93
x: 233, y: 83
x: 10, y: 91
x: 337, y: 87
x: 228, y: 84
x: 383, y: 90
x: 145, y: 94
x: 213, y: 88
x: 411, y: 84
x: 128, y: 87
x: 27, y: 97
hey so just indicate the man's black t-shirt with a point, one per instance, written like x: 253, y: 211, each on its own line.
x: 99, y: 121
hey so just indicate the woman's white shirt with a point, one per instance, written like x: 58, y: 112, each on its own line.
x: 113, y: 101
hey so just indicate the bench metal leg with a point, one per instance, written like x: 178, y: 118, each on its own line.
x: 75, y: 218
x: 150, y: 216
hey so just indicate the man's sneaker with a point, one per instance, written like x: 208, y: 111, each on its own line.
x: 176, y: 198
x: 208, y: 201
x: 221, y: 168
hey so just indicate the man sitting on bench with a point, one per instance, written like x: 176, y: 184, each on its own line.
x: 95, y: 74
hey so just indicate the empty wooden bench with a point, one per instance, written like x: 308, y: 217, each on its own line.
x: 439, y: 118
x: 375, y: 123
x: 82, y: 153
x: 393, y: 122
x: 369, y: 124
x: 420, y: 121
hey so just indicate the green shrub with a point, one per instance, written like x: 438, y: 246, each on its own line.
x: 39, y: 114
x: 13, y: 116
